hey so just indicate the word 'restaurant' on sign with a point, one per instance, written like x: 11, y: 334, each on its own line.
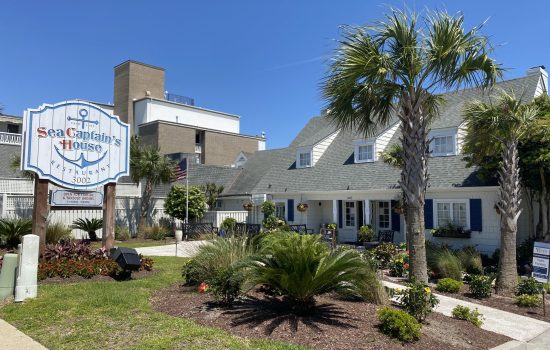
x: 75, y: 144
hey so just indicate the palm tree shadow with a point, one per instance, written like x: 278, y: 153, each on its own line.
x: 272, y: 312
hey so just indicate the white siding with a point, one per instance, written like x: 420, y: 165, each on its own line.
x: 149, y: 110
x: 320, y: 147
x: 460, y: 135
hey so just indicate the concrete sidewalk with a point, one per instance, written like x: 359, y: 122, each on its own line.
x: 11, y: 338
x: 525, y: 331
x: 185, y: 249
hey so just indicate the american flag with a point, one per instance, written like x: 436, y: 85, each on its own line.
x: 180, y: 172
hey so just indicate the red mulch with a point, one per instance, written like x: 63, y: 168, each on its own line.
x: 337, y: 324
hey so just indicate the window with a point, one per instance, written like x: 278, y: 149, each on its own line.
x: 384, y: 215
x: 455, y: 213
x: 280, y: 210
x: 13, y: 128
x: 443, y: 145
x: 350, y: 215
x: 304, y: 160
x: 365, y: 153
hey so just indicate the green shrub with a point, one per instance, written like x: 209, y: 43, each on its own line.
x: 449, y: 285
x: 546, y: 287
x: 526, y: 300
x: 417, y: 300
x: 399, y: 324
x: 191, y: 273
x: 301, y: 267
x: 88, y: 226
x: 481, y: 286
x: 529, y: 286
x: 226, y: 285
x: 11, y: 231
x: 228, y: 225
x: 384, y: 253
x: 464, y: 313
x: 56, y: 232
x: 268, y: 208
x: 445, y: 263
x: 122, y: 233
x: 470, y: 260
x: 365, y: 233
x: 154, y: 232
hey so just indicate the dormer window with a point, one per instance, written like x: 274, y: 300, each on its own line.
x: 304, y: 159
x: 364, y: 151
x: 443, y: 143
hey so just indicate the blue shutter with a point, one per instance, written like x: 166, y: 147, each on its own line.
x: 340, y: 214
x: 476, y: 222
x: 395, y: 217
x: 429, y: 214
x: 290, y: 206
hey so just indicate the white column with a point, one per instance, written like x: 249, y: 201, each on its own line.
x: 26, y: 285
x: 335, y: 211
x: 366, y: 209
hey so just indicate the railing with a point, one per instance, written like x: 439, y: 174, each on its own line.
x: 8, y: 138
x: 217, y: 217
x: 180, y: 99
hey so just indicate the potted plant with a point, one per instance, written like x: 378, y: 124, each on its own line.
x: 302, y: 207
x: 331, y: 226
x: 248, y: 206
x: 365, y: 234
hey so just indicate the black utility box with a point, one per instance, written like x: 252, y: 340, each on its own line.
x: 126, y: 258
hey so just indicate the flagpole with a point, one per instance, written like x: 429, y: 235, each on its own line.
x: 187, y: 200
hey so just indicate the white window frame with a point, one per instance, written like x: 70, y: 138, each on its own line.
x: 452, y: 133
x: 452, y: 201
x: 354, y: 215
x: 304, y: 150
x: 361, y: 143
x: 284, y: 203
x: 379, y: 213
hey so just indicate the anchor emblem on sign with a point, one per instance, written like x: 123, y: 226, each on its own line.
x: 81, y: 161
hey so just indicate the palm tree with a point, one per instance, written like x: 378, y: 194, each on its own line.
x: 395, y: 68
x: 146, y: 163
x: 493, y: 129
x: 15, y: 165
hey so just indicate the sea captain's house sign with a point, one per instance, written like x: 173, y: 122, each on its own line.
x: 75, y: 144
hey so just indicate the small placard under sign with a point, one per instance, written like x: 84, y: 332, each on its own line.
x: 63, y: 198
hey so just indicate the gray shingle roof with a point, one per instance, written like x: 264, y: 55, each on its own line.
x: 273, y: 171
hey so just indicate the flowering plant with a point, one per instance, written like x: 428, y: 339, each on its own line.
x: 399, y: 265
x: 203, y: 287
x: 302, y: 207
x: 418, y: 300
x: 248, y: 206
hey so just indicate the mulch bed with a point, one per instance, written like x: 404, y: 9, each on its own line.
x: 338, y: 324
x: 97, y: 278
x: 504, y: 303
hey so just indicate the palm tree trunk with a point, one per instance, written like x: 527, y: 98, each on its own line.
x: 543, y: 204
x: 414, y: 178
x: 509, y: 206
x: 145, y: 203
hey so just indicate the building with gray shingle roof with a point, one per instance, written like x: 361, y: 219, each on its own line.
x: 350, y: 186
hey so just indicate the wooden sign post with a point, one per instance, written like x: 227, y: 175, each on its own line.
x: 40, y: 211
x: 109, y: 198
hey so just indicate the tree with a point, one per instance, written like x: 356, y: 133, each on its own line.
x: 175, y: 204
x: 148, y: 164
x: 15, y: 165
x: 497, y: 128
x: 212, y: 192
x: 395, y: 68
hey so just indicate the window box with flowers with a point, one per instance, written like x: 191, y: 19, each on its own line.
x: 452, y: 231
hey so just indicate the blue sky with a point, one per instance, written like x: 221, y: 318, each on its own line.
x: 262, y: 60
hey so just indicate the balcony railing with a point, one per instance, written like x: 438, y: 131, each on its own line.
x: 8, y: 138
x: 180, y: 99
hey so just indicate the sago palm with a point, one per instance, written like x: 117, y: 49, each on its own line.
x: 497, y: 129
x: 395, y: 68
x: 90, y: 226
x: 147, y: 163
x: 11, y: 231
x: 301, y: 267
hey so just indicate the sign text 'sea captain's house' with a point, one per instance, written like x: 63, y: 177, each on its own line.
x: 75, y: 144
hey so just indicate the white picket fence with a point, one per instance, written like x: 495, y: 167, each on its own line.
x: 217, y: 217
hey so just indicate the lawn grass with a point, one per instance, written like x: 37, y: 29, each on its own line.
x: 135, y: 244
x: 117, y: 315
